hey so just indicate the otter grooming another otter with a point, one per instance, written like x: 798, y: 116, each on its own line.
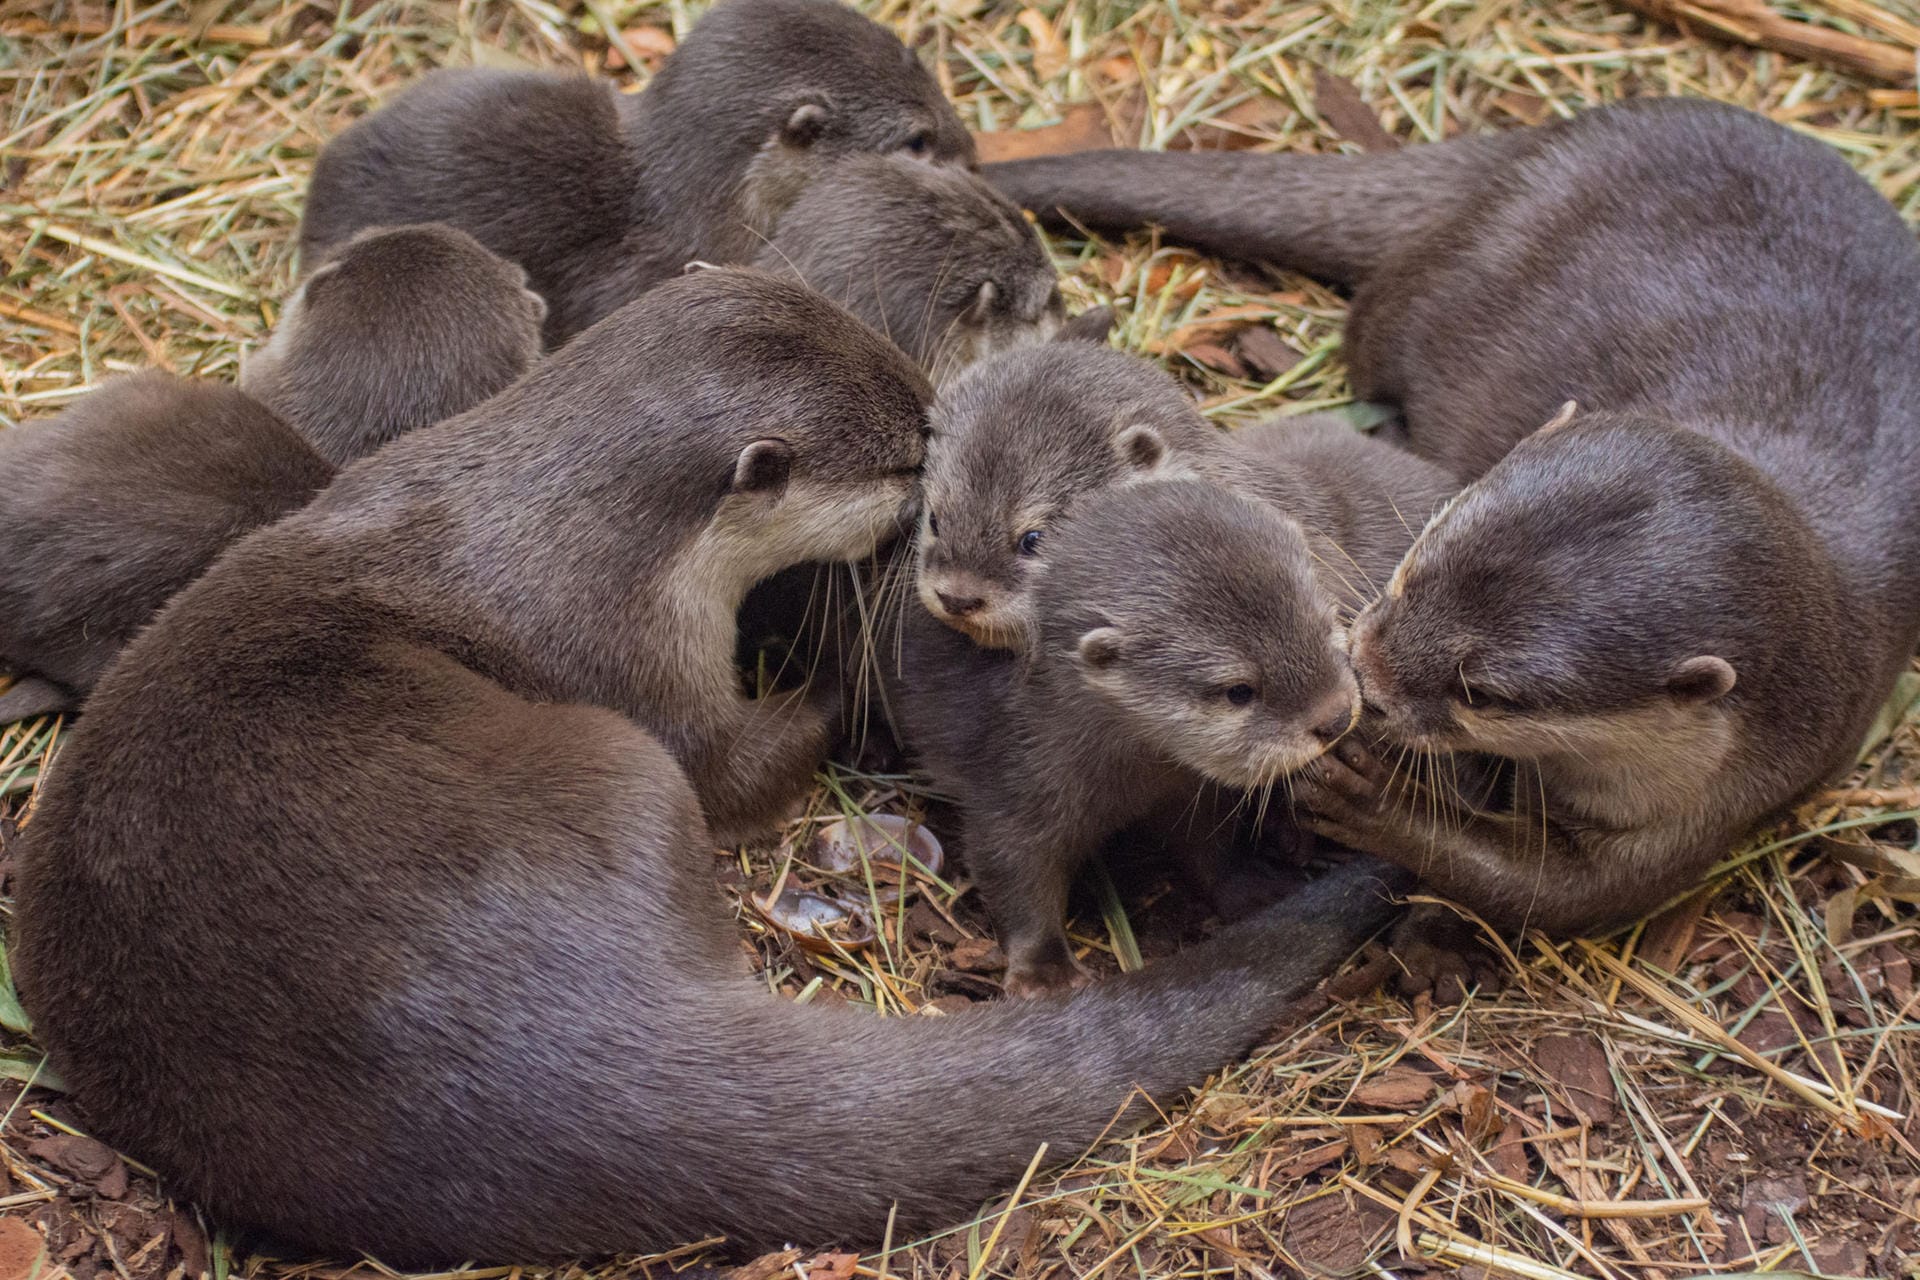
x: 600, y: 195
x: 1676, y: 611
x: 424, y: 855
x: 112, y: 507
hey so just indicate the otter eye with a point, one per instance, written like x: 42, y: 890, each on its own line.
x: 933, y: 524
x: 1239, y: 695
x: 918, y: 144
x: 1481, y: 700
x: 1030, y: 542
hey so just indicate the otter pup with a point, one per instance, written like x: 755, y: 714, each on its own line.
x: 1015, y: 441
x: 1676, y: 612
x: 1208, y: 652
x: 124, y: 498
x: 404, y: 327
x: 934, y: 258
x: 599, y: 195
x: 425, y: 855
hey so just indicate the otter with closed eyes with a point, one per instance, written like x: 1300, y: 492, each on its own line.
x: 445, y: 907
x: 601, y: 195
x: 1675, y: 612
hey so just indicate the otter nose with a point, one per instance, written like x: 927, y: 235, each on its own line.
x: 1333, y: 720
x: 959, y: 606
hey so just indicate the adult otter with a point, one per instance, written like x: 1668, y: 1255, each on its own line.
x: 600, y: 196
x: 112, y: 507
x: 1679, y: 610
x: 445, y: 908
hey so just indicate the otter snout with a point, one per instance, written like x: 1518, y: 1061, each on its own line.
x: 972, y: 606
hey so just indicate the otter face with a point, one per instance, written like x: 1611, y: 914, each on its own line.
x: 1017, y: 440
x: 1594, y: 589
x: 1196, y: 614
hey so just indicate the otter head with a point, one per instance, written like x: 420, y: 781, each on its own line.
x: 1017, y: 440
x: 763, y: 93
x: 1604, y: 592
x: 804, y: 426
x: 1195, y: 614
x: 934, y: 258
x: 399, y: 328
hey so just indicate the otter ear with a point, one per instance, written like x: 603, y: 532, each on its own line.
x: 1100, y: 648
x: 804, y: 127
x: 1141, y: 447
x: 1559, y: 419
x: 763, y: 467
x: 1702, y: 679
x: 538, y: 305
x: 984, y: 300
x: 1088, y: 326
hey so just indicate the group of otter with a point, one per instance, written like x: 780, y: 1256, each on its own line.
x: 371, y: 899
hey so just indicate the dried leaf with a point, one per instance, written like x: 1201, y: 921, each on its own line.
x: 1395, y: 1088
x: 23, y: 1251
x: 978, y: 955
x: 1342, y: 107
x: 1215, y: 357
x: 1083, y: 127
x: 1578, y: 1065
x: 1265, y: 352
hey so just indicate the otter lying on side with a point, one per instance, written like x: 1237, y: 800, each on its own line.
x: 112, y: 507
x: 600, y: 195
x: 445, y: 908
x: 1679, y: 610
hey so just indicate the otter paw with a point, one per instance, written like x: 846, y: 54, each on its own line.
x: 1340, y: 796
x: 1033, y: 979
x: 1439, y: 953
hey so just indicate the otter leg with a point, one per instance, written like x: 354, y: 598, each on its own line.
x: 755, y: 765
x: 1024, y: 873
x: 29, y: 698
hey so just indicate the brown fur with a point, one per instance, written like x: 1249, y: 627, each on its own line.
x: 429, y: 962
x: 122, y: 500
x: 1676, y: 613
x: 600, y: 196
x: 398, y: 329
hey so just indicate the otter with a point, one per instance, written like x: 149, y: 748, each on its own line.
x: 404, y: 327
x: 427, y: 852
x: 936, y: 259
x: 601, y: 195
x: 117, y: 503
x: 1675, y: 612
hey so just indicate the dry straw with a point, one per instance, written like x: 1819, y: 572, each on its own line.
x: 1729, y: 1087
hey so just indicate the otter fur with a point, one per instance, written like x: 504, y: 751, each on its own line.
x: 430, y: 962
x: 1676, y: 611
x: 601, y: 195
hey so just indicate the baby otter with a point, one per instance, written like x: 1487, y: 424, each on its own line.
x: 425, y: 854
x: 600, y: 196
x: 1678, y: 611
x: 116, y: 504
x: 1357, y: 505
x: 402, y: 328
x: 934, y: 258
x: 1016, y: 440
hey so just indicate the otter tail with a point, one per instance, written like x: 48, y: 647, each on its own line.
x: 934, y: 1115
x: 1330, y: 216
